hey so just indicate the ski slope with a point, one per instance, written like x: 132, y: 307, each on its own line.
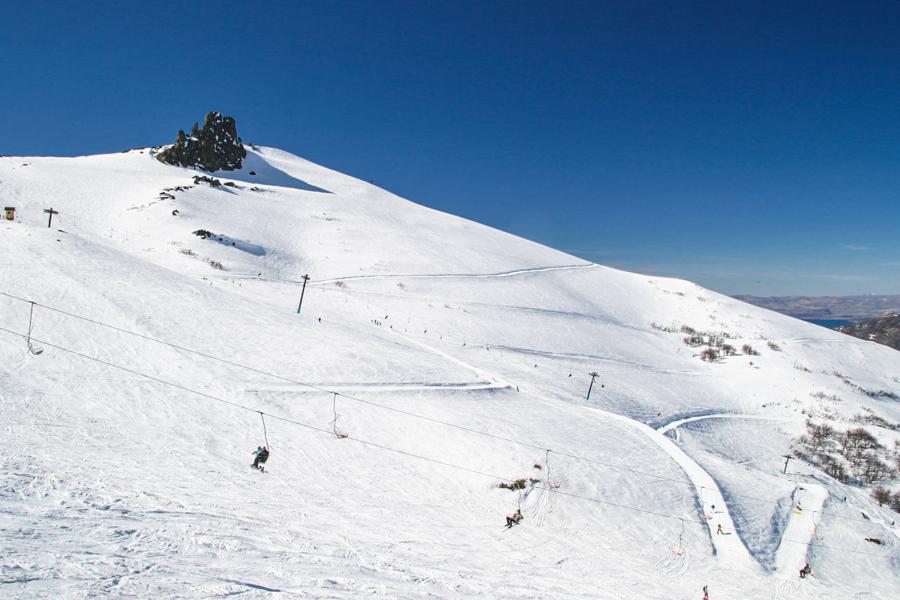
x: 452, y: 355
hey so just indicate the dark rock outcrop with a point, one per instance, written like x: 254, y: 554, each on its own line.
x: 216, y: 146
x: 884, y: 330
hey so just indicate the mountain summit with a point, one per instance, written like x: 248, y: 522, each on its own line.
x: 216, y: 146
x: 441, y: 376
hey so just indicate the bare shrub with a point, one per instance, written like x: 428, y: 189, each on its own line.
x: 833, y: 467
x: 518, y: 484
x: 870, y: 418
x: 819, y: 439
x: 881, y: 495
x: 824, y: 396
x: 895, y: 502
x: 775, y: 347
x: 728, y: 350
x: 748, y: 350
x: 709, y: 355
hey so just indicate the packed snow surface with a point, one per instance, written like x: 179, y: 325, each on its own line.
x: 433, y: 358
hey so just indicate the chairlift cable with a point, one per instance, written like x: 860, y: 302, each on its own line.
x: 377, y: 405
x: 398, y: 450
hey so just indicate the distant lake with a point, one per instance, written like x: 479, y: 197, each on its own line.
x: 829, y: 323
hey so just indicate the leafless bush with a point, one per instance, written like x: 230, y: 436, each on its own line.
x: 870, y: 418
x: 709, y: 355
x: 694, y: 340
x: 748, y: 350
x: 833, y: 467
x: 775, y: 347
x: 518, y: 484
x: 881, y: 495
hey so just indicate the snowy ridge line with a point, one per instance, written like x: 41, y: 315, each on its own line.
x: 494, y: 385
x: 392, y: 449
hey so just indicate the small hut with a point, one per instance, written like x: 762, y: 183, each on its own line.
x: 10, y: 212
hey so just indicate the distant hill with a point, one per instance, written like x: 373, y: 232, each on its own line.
x: 851, y: 308
x: 884, y: 330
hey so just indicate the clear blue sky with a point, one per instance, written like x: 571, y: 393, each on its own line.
x: 753, y: 147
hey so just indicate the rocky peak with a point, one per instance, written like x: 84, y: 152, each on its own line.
x: 213, y: 147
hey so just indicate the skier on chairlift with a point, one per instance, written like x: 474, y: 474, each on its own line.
x: 514, y: 519
x: 261, y: 455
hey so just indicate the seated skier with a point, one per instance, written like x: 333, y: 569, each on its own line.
x: 805, y: 571
x: 514, y: 519
x: 261, y: 455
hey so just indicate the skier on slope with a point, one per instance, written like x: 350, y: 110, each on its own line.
x: 514, y: 519
x: 705, y: 593
x: 805, y: 571
x: 261, y: 455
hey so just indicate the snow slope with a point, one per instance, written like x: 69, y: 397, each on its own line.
x: 459, y: 355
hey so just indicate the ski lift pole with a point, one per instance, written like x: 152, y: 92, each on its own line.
x: 594, y: 375
x: 787, y: 458
x: 302, y: 291
x: 50, y: 212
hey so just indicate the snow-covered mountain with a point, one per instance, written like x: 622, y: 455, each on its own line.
x: 452, y: 356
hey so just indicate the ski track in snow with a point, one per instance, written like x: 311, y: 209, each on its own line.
x: 801, y: 523
x: 808, y: 500
x: 729, y: 547
x: 457, y: 275
x: 593, y: 358
x: 674, y: 425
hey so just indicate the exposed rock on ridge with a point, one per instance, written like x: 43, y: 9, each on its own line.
x: 216, y: 146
